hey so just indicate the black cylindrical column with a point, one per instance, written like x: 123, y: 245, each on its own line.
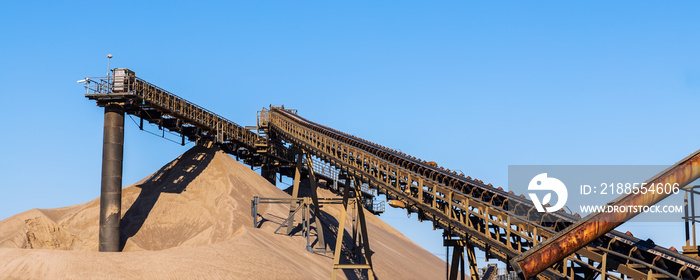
x: 111, y: 194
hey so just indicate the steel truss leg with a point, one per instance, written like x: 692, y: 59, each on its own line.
x: 457, y: 259
x: 356, y: 249
x: 341, y: 230
x: 320, y: 244
x: 268, y: 172
x: 341, y: 233
x: 473, y: 270
x: 295, y: 194
x: 456, y: 265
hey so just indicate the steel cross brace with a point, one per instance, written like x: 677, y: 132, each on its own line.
x: 458, y: 257
x: 293, y: 206
x: 341, y: 232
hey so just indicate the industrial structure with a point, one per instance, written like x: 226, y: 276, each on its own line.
x: 471, y: 213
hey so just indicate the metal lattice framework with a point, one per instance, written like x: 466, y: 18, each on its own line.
x: 480, y: 212
x: 501, y: 224
x: 169, y: 111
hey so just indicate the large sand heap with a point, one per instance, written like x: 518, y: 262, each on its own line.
x: 191, y: 219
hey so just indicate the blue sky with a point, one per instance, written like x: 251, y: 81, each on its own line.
x: 473, y: 85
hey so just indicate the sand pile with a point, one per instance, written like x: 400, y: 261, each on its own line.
x: 190, y: 219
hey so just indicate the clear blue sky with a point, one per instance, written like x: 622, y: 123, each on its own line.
x: 473, y: 85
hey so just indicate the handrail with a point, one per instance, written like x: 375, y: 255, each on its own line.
x: 492, y: 219
x: 451, y: 208
x: 481, y: 211
x: 173, y: 105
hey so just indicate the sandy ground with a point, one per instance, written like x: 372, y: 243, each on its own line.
x: 191, y: 220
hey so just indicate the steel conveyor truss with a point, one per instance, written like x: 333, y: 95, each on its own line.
x: 158, y: 106
x: 500, y: 223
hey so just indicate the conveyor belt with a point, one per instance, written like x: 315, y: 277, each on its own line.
x: 478, y: 211
x: 169, y: 111
x: 500, y: 223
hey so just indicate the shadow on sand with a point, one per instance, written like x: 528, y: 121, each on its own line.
x: 173, y: 178
x: 350, y: 254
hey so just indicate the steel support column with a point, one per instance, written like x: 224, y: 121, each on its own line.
x: 456, y: 268
x: 471, y: 255
x: 111, y: 189
x: 357, y: 201
x: 268, y: 172
x: 341, y: 230
x: 313, y: 181
x: 363, y: 229
x: 295, y: 193
x: 457, y: 259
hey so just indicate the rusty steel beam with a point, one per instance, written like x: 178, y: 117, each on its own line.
x: 595, y: 225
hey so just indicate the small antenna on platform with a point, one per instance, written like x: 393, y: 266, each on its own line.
x: 109, y: 57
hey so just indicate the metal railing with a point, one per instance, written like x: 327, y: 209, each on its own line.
x: 501, y: 224
x: 432, y: 199
x: 97, y: 85
x: 145, y: 94
x: 324, y: 169
x: 480, y: 213
x: 374, y: 207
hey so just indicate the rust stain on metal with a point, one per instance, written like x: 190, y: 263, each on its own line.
x: 595, y: 225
